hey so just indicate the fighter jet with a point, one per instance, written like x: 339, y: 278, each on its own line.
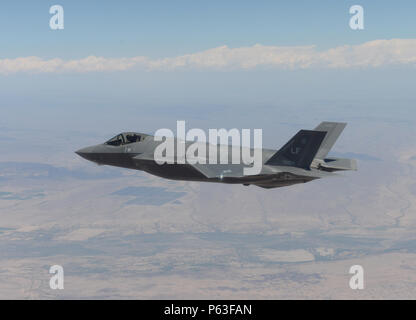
x: 302, y: 159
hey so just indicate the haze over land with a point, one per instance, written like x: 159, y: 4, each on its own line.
x: 125, y: 234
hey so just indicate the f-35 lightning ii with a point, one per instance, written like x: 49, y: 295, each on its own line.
x: 302, y: 159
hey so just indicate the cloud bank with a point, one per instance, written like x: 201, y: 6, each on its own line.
x: 374, y: 54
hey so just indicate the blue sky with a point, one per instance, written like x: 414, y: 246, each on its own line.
x: 166, y: 28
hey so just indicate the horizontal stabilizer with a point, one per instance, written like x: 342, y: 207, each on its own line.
x: 337, y: 164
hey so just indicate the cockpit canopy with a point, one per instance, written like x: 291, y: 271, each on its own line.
x: 126, y: 138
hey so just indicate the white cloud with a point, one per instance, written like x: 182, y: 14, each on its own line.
x: 88, y: 64
x: 370, y: 54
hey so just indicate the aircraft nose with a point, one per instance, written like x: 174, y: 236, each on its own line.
x: 86, y: 153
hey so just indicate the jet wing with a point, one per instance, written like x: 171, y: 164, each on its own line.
x: 220, y: 170
x: 208, y: 170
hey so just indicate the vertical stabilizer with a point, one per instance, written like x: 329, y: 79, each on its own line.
x: 333, y: 130
x: 299, y: 151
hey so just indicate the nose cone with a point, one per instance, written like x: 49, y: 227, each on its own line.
x: 87, y: 153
